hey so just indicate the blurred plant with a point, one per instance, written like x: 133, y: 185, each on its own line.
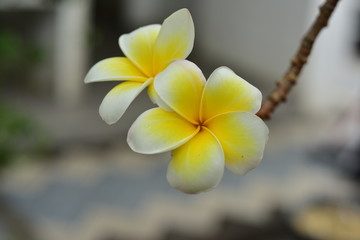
x: 15, y: 54
x: 19, y: 136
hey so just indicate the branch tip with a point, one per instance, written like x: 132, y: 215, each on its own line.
x: 289, y: 79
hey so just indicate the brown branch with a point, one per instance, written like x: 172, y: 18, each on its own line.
x: 284, y: 84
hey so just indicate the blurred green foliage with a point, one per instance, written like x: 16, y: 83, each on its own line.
x: 13, y: 48
x: 17, y: 56
x: 19, y: 136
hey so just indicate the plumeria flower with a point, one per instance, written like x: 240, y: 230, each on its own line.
x: 148, y: 51
x: 212, y: 125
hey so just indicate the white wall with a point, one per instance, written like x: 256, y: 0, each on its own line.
x: 258, y: 36
x: 331, y: 81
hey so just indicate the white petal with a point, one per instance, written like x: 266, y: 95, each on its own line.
x: 243, y: 136
x: 225, y: 92
x: 180, y: 86
x: 118, y: 100
x: 157, y: 130
x: 116, y: 68
x: 155, y: 98
x: 175, y: 40
x: 139, y: 45
x: 198, y: 165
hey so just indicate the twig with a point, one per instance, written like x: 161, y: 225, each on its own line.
x: 284, y: 84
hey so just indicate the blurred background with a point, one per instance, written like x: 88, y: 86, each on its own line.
x: 66, y: 174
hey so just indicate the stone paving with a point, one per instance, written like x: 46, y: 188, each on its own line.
x: 87, y: 195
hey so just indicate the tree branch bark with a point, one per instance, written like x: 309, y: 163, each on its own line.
x: 285, y: 84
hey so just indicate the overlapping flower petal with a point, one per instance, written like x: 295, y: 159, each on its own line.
x: 148, y: 51
x: 198, y: 165
x: 223, y: 108
x: 207, y: 125
x: 157, y: 130
x: 155, y: 98
x: 243, y: 136
x: 139, y: 45
x: 180, y: 86
x: 225, y: 91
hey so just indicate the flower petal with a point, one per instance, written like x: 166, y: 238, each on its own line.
x: 118, y: 100
x: 225, y: 91
x: 155, y: 98
x: 198, y: 165
x: 180, y: 86
x: 175, y: 40
x: 116, y: 68
x: 243, y: 136
x: 157, y: 130
x: 139, y: 45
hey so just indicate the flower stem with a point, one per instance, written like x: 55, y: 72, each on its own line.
x: 285, y: 84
